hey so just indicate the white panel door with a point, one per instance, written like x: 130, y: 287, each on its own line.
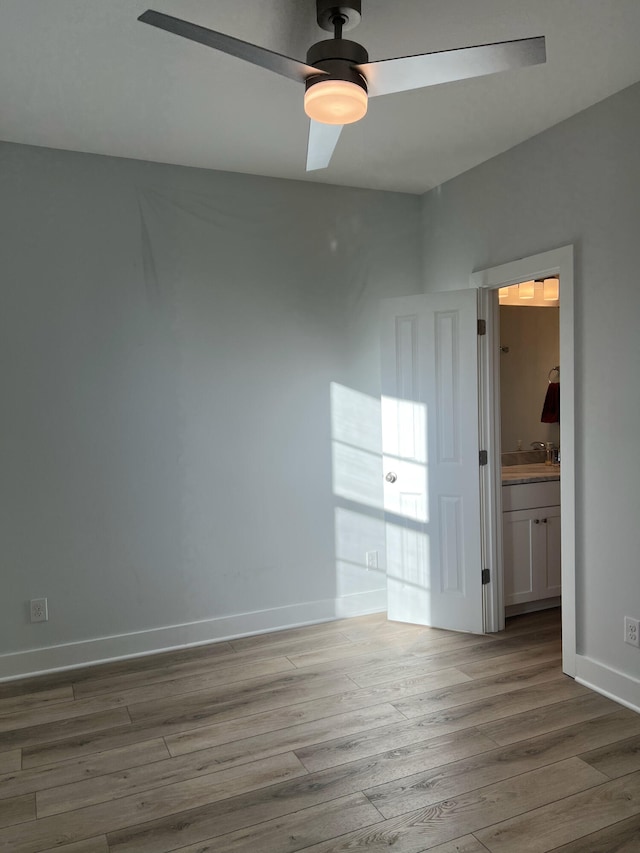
x: 430, y: 460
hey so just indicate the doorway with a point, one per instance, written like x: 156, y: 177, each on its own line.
x: 559, y: 263
x: 529, y: 389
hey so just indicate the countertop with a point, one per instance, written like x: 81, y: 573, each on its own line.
x: 537, y: 472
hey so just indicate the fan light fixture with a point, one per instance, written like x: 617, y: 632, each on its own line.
x: 337, y: 74
x: 335, y: 102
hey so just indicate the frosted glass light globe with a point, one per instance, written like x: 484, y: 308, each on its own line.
x: 335, y: 102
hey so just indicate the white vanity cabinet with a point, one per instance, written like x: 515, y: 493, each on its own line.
x: 531, y: 542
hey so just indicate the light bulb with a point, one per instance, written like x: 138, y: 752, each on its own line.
x: 551, y: 289
x: 335, y: 102
x: 526, y: 290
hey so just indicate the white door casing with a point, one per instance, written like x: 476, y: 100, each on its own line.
x: 554, y: 262
x: 430, y: 457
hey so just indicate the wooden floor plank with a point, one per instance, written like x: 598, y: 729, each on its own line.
x: 399, y: 735
x: 17, y: 810
x: 163, y: 802
x: 140, y: 664
x: 516, y: 660
x: 354, y: 630
x: 424, y: 829
x: 412, y: 664
x: 369, y: 654
x: 218, y: 679
x: 616, y: 759
x: 76, y: 746
x: 25, y: 701
x: 429, y: 786
x: 474, y: 689
x: 305, y: 712
x: 293, y: 738
x: 290, y: 797
x: 84, y: 769
x: 468, y: 844
x: 526, y: 623
x: 620, y: 837
x: 565, y: 821
x: 24, y: 738
x: 246, y: 697
x: 541, y: 720
x: 326, y: 633
x: 296, y: 831
x: 229, y: 721
x: 433, y: 660
x: 168, y: 772
x: 357, y: 734
x: 11, y: 760
x: 53, y: 712
x: 87, y: 845
x: 459, y: 777
x: 183, y: 666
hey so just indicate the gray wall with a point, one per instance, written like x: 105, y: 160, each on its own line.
x: 533, y: 338
x: 577, y: 183
x: 168, y: 340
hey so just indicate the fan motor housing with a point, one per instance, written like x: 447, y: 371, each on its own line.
x: 342, y: 49
x: 329, y: 10
x: 336, y: 57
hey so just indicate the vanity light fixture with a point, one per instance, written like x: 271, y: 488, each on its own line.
x: 526, y: 290
x: 551, y: 289
x: 503, y: 294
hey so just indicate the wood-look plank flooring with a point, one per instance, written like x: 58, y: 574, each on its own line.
x: 359, y: 734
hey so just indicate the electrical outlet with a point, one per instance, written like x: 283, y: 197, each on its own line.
x: 39, y: 610
x: 372, y: 559
x: 632, y: 631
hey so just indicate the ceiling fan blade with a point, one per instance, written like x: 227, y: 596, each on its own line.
x: 323, y: 139
x: 429, y: 69
x: 283, y: 65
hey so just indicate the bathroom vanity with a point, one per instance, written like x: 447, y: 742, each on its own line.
x: 531, y: 537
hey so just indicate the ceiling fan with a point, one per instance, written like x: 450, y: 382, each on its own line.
x: 338, y: 77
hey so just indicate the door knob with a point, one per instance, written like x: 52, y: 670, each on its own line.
x: 391, y: 477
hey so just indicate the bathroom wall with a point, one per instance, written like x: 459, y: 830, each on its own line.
x: 532, y: 336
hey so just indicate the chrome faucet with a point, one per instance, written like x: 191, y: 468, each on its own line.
x: 538, y: 445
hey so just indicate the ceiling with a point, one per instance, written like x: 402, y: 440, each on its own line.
x: 84, y: 75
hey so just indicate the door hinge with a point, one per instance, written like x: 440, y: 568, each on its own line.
x: 486, y: 576
x: 482, y: 327
x: 484, y: 457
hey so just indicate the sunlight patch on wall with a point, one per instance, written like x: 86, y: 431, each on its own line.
x: 356, y: 446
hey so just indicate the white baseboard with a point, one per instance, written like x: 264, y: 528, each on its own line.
x: 122, y: 646
x: 609, y: 682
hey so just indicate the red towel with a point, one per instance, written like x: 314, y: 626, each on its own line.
x: 551, y: 407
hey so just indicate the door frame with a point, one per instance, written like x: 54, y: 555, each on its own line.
x: 555, y: 262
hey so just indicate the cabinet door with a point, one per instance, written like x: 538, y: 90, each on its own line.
x: 551, y: 577
x: 531, y: 554
x: 520, y: 549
